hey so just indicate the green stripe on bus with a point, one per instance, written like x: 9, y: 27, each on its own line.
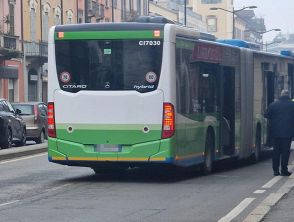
x: 109, y: 35
x: 108, y: 136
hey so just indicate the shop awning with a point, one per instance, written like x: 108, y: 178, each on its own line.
x: 8, y: 72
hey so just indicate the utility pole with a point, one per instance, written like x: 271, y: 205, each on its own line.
x: 61, y: 5
x: 86, y: 11
x: 112, y: 11
x: 41, y: 21
x: 234, y: 32
x: 77, y: 10
x: 185, y: 13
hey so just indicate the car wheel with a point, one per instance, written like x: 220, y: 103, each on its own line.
x: 23, y: 139
x: 41, y: 138
x: 8, y: 140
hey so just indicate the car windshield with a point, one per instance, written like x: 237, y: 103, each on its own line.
x: 25, y: 109
x: 108, y: 64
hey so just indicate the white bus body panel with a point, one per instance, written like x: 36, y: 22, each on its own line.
x: 108, y: 107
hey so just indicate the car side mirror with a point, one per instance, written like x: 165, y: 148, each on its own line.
x: 18, y: 111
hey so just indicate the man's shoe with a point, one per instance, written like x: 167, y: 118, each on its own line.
x: 276, y: 173
x: 287, y: 173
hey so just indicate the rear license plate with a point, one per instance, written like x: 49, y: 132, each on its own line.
x: 107, y: 147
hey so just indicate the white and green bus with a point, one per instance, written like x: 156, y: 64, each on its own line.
x: 123, y: 95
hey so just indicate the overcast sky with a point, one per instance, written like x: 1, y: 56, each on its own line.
x: 276, y: 14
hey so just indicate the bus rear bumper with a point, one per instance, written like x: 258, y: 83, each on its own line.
x: 74, y: 154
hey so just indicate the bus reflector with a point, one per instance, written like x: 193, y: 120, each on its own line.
x: 51, y: 121
x: 156, y: 33
x: 168, y: 122
x: 60, y: 35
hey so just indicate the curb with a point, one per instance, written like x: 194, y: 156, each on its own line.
x: 15, y: 152
x: 268, y: 203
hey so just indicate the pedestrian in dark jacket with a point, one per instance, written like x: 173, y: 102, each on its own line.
x: 281, y: 119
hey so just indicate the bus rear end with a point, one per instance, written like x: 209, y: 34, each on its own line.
x: 104, y: 105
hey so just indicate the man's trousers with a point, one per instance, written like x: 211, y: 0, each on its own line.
x: 281, y: 154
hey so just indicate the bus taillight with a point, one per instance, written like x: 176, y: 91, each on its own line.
x: 51, y: 121
x: 168, y: 122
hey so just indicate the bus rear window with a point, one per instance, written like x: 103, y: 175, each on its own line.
x: 108, y: 64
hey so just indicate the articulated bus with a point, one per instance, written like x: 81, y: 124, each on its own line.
x: 133, y: 94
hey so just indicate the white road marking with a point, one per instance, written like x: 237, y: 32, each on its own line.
x: 237, y: 210
x: 259, y: 191
x: 8, y: 203
x: 273, y: 181
x: 270, y: 183
x: 23, y: 158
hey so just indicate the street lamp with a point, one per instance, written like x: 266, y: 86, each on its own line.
x: 271, y: 43
x: 234, y: 12
x: 261, y: 33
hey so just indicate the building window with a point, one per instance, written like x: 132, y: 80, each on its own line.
x: 32, y: 85
x: 45, y: 20
x: 33, y: 24
x: 211, y: 24
x: 45, y: 26
x: 123, y: 10
x: 33, y: 9
x: 131, y: 5
x: 57, y: 13
x: 211, y: 1
x: 114, y: 3
x: 11, y: 90
x: 69, y: 15
x: 139, y: 7
x: 11, y: 18
x: 145, y: 8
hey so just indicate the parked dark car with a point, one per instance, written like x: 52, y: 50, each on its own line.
x: 35, y: 116
x: 12, y: 126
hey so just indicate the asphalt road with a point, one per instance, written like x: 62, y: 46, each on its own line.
x: 32, y: 189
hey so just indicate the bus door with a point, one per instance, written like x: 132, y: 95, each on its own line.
x: 270, y: 97
x: 270, y: 87
x: 291, y: 80
x: 227, y: 111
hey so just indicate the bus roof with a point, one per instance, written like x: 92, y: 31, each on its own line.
x: 240, y: 43
x: 108, y: 26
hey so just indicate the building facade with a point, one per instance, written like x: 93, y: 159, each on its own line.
x: 38, y: 17
x: 11, y: 72
x: 219, y: 22
x: 175, y: 11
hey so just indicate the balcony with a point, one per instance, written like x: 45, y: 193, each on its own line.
x: 9, y: 47
x: 36, y: 50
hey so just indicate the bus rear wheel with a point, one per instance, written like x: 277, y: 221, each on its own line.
x: 257, y: 145
x: 208, y: 158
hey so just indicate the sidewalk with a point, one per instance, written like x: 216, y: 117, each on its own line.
x: 15, y: 152
x: 283, y: 211
x: 278, y: 206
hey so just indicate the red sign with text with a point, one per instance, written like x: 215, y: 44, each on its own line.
x: 206, y: 53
